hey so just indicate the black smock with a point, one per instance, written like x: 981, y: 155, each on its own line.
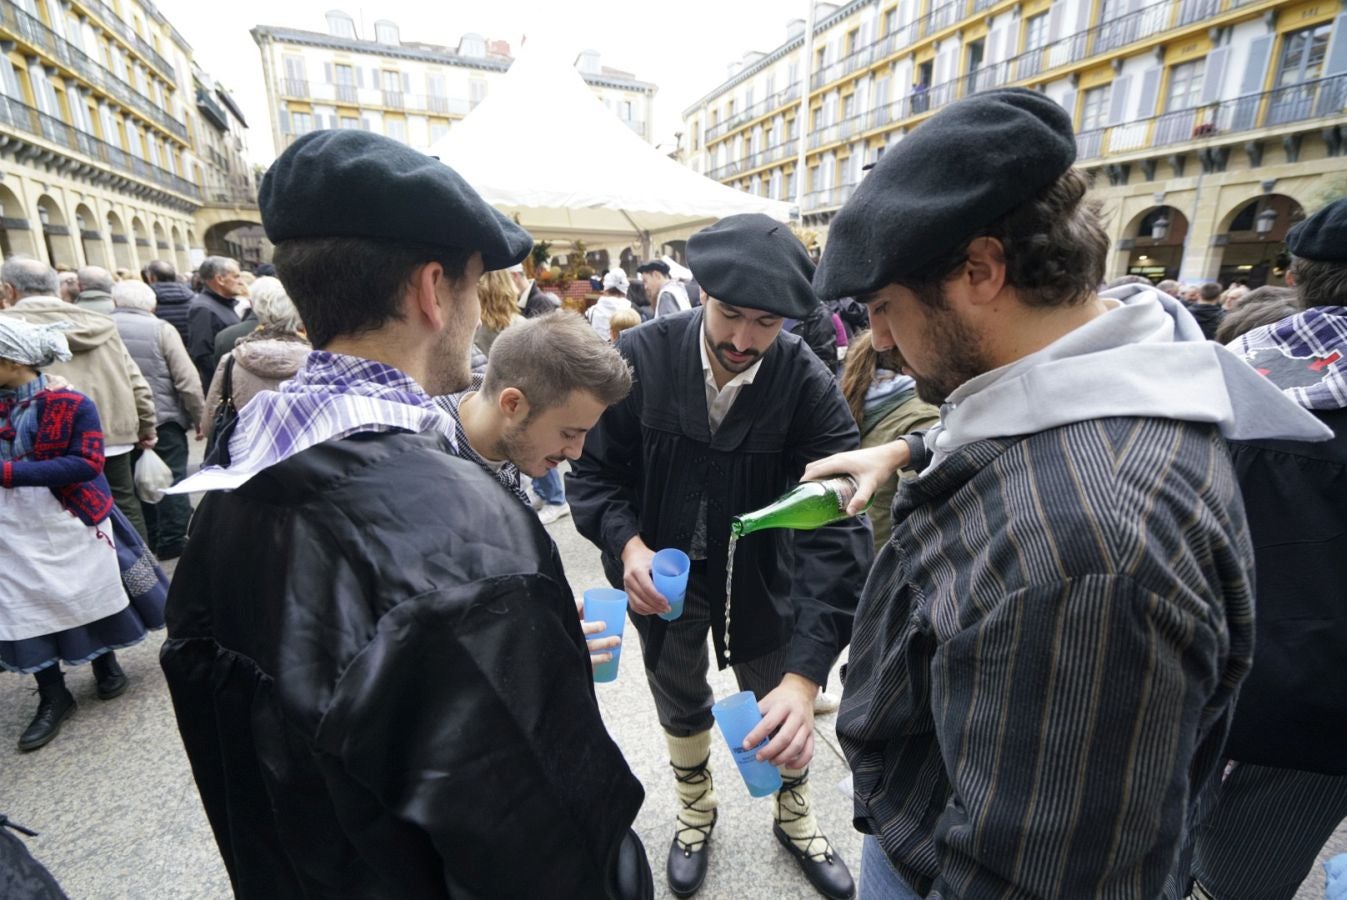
x: 383, y: 689
x: 651, y: 460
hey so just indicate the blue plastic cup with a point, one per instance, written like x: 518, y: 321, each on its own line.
x: 608, y: 606
x: 737, y: 715
x: 669, y: 571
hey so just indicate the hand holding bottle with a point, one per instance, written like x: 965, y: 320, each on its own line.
x: 870, y: 468
x: 636, y: 581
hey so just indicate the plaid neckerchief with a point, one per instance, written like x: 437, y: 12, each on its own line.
x: 18, y: 419
x: 508, y: 474
x: 1305, y: 355
x: 331, y: 396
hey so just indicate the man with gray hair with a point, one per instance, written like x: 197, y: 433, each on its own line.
x: 159, y: 352
x: 211, y: 311
x: 95, y: 285
x: 101, y: 369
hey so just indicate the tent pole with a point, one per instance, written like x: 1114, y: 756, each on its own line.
x: 643, y: 235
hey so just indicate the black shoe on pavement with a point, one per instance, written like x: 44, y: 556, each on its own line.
x: 825, y: 871
x: 54, y: 705
x: 109, y: 679
x: 687, y: 868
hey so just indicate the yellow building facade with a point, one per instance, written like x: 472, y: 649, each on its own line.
x: 1207, y: 127
x: 102, y: 157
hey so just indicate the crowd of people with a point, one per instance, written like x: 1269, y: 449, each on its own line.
x: 1094, y: 631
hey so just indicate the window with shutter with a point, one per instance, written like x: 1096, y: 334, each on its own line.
x: 1095, y: 108
x: 1213, y: 85
x: 1185, y: 86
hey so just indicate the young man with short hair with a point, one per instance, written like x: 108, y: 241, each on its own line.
x: 376, y: 665
x: 547, y: 381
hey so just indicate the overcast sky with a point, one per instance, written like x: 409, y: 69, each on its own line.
x: 681, y: 47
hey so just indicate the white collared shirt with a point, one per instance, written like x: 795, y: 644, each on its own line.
x: 719, y: 400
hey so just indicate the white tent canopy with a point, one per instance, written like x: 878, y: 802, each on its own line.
x: 588, y: 177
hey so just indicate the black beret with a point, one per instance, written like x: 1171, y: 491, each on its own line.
x: 350, y: 183
x: 1323, y: 236
x: 956, y: 173
x: 657, y: 265
x: 753, y: 261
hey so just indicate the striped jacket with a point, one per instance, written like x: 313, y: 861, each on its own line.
x: 1045, y: 660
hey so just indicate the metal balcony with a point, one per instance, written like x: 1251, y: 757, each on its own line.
x: 117, y: 162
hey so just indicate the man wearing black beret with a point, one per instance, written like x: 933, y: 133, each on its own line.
x: 1287, y: 792
x: 373, y: 652
x: 1048, y: 649
x: 726, y: 412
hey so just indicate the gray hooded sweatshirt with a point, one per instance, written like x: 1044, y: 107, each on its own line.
x: 1146, y: 356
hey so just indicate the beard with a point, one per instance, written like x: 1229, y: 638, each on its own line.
x: 451, y: 360
x: 958, y: 354
x: 514, y: 446
x: 719, y: 352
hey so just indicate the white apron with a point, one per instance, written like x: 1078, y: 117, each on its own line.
x: 55, y: 571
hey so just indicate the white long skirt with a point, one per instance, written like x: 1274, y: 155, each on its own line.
x: 55, y: 571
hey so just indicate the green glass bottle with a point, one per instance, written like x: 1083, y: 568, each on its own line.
x: 811, y: 504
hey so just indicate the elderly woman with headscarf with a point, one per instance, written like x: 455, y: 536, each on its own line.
x: 265, y: 358
x: 77, y: 581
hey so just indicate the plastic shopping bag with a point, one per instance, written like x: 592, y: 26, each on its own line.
x: 153, y: 477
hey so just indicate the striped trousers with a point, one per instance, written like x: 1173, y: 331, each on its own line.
x: 1261, y: 836
x: 683, y: 698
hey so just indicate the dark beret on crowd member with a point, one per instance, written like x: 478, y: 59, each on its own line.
x: 754, y: 261
x: 1323, y: 236
x: 921, y: 201
x: 655, y: 265
x: 348, y: 183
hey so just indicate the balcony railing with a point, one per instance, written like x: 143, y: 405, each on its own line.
x: 295, y: 87
x: 347, y: 93
x: 761, y: 108
x: 783, y: 150
x: 211, y: 109
x: 114, y: 23
x: 393, y: 100
x: 828, y: 198
x: 1137, y: 25
x: 21, y: 117
x: 1142, y: 23
x: 33, y: 31
x: 1322, y: 98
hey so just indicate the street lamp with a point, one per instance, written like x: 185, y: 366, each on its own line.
x: 1160, y: 228
x: 1264, y: 221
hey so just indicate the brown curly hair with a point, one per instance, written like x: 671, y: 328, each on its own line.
x: 1054, y: 248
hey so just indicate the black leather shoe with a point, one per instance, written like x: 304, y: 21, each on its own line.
x: 826, y: 871
x: 109, y: 679
x: 687, y: 868
x: 54, y: 704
